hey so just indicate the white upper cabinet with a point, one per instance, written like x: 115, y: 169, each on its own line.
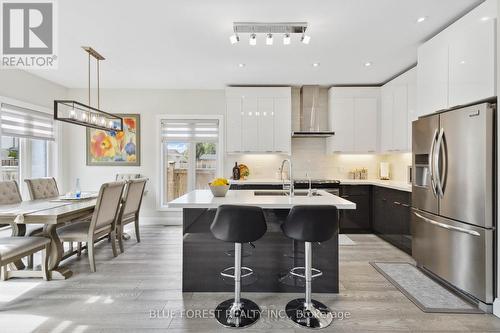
x: 258, y: 120
x: 472, y: 53
x: 353, y: 114
x: 397, y: 112
x: 457, y: 66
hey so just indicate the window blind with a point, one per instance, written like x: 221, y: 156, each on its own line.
x: 190, y: 130
x: 21, y: 122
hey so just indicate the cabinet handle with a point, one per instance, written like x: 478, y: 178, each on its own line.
x: 397, y: 203
x: 405, y: 205
x: 345, y: 196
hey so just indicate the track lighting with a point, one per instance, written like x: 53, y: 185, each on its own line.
x: 269, y: 39
x: 253, y: 40
x: 268, y: 31
x: 234, y: 39
x: 286, y: 39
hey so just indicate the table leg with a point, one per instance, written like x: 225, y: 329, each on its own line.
x: 55, y: 254
x: 18, y: 230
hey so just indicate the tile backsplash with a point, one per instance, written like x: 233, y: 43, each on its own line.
x: 309, y: 156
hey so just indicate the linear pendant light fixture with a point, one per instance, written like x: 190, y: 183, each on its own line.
x: 85, y: 115
x: 269, y: 30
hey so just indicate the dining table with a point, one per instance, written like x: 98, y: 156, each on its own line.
x: 51, y: 213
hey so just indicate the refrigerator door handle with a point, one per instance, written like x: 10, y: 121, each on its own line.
x: 431, y: 163
x: 436, y: 172
x: 446, y: 226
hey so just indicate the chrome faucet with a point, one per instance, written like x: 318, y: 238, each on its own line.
x: 309, y: 191
x: 291, y: 187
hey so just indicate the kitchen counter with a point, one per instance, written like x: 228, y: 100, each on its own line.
x: 395, y: 185
x: 205, y: 199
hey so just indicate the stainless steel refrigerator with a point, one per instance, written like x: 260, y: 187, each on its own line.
x: 453, y: 193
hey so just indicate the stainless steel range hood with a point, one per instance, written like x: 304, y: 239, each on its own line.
x: 313, y: 114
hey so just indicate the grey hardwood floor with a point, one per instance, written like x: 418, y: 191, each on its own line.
x: 125, y: 291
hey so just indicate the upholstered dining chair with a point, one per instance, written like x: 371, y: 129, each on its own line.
x: 9, y: 192
x: 131, y: 205
x: 103, y: 221
x: 42, y: 188
x: 13, y: 249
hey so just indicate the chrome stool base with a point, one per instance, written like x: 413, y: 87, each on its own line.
x: 236, y: 315
x: 315, y: 316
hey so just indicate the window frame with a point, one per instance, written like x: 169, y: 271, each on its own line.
x: 54, y: 149
x: 161, y: 160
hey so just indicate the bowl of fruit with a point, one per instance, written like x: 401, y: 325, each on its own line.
x: 219, y: 187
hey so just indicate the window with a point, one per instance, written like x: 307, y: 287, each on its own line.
x: 190, y: 155
x: 26, y: 143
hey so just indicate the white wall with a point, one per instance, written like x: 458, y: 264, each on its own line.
x: 23, y: 86
x: 148, y: 103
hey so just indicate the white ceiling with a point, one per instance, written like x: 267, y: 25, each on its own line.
x: 184, y: 43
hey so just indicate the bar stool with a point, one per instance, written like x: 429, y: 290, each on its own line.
x: 310, y: 224
x: 238, y: 224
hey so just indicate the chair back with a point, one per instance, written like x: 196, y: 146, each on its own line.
x: 9, y: 192
x: 42, y: 188
x: 107, y: 205
x: 127, y: 176
x: 133, y: 197
x: 311, y: 223
x: 238, y: 224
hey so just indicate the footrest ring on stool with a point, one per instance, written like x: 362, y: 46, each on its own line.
x: 248, y: 271
x: 316, y: 272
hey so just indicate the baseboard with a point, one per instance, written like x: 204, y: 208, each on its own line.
x: 496, y: 307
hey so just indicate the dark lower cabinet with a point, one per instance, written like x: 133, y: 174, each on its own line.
x: 358, y: 220
x: 391, y: 217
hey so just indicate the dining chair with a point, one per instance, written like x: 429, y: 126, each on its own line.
x: 9, y: 192
x: 102, y: 223
x: 42, y: 188
x: 131, y: 205
x: 13, y: 249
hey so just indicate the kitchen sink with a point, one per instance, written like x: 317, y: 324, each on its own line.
x: 285, y: 193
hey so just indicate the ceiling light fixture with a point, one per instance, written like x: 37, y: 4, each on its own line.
x: 241, y: 65
x: 485, y: 18
x: 285, y: 29
x: 253, y: 40
x: 316, y: 64
x: 286, y: 39
x: 368, y: 64
x: 74, y: 112
x: 421, y: 19
x: 234, y: 39
x: 269, y: 39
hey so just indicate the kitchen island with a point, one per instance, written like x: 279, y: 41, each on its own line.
x: 271, y: 257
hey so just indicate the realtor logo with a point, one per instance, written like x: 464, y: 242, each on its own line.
x: 28, y: 32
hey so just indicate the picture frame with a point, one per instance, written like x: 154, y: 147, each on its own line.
x: 121, y: 148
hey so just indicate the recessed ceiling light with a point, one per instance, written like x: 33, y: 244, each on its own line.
x: 485, y: 18
x: 241, y: 65
x: 253, y: 40
x: 305, y: 39
x: 234, y: 39
x: 269, y: 39
x: 316, y: 64
x: 421, y: 19
x: 463, y: 62
x: 368, y: 64
x: 286, y: 39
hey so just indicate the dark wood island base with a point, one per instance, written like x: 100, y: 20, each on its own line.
x: 205, y: 257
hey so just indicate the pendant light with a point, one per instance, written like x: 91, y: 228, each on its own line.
x: 74, y: 112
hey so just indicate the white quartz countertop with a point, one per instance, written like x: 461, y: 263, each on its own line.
x: 396, y: 185
x: 205, y: 199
